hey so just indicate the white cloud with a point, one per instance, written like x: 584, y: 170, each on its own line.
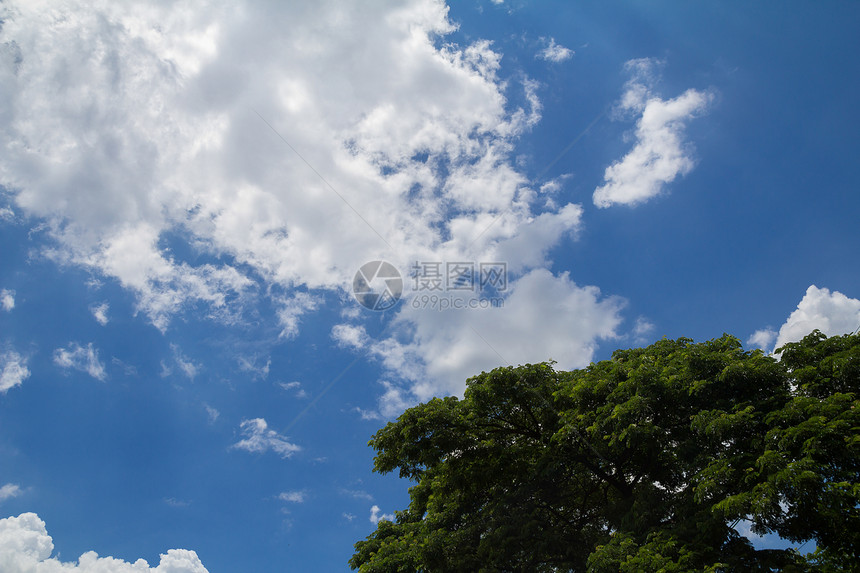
x: 395, y: 399
x: 642, y: 330
x: 529, y: 247
x: 259, y: 438
x: 763, y: 338
x: 660, y: 154
x: 373, y: 414
x: 100, y: 312
x: 291, y: 310
x: 544, y: 317
x: 127, y: 369
x: 295, y: 387
x: 293, y: 496
x: 173, y: 502
x: 13, y: 370
x: 357, y: 494
x: 555, y: 52
x: 378, y: 140
x: 164, y: 135
x: 185, y: 364
x: 251, y: 365
x: 85, y: 359
x: 7, y: 299
x: 26, y: 547
x: 391, y: 403
x: 9, y: 491
x: 350, y: 336
x: 832, y: 313
x: 376, y: 517
x: 212, y: 413
x: 744, y: 527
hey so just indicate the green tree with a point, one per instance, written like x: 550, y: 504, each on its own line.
x: 644, y: 462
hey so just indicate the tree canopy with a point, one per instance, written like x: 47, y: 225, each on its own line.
x: 644, y: 462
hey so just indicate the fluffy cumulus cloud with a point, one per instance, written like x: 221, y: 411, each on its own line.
x: 217, y: 122
x: 435, y: 348
x: 832, y: 313
x: 82, y: 358
x: 26, y: 547
x: 287, y: 145
x: 259, y: 439
x: 660, y: 153
x: 13, y: 370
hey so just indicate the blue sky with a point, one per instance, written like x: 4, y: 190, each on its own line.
x: 187, y: 193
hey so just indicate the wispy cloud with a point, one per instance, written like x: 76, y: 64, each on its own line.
x: 82, y: 358
x: 185, y: 364
x: 256, y: 369
x: 7, y: 299
x: 642, y: 330
x: 9, y: 491
x: 188, y: 367
x: 173, y: 502
x: 260, y: 439
x: 293, y: 496
x: 763, y: 338
x: 356, y: 494
x: 211, y: 413
x: 127, y: 369
x: 99, y: 312
x: 13, y: 370
x: 660, y: 153
x: 295, y: 387
x: 554, y: 52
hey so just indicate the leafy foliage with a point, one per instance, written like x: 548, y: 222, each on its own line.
x: 644, y: 462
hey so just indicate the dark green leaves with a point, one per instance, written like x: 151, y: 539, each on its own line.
x: 642, y: 462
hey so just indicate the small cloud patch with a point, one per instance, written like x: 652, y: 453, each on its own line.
x: 82, y: 358
x: 260, y: 439
x: 554, y: 52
